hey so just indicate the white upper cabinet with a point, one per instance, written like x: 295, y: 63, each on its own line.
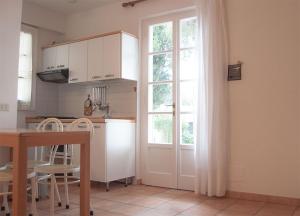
x: 49, y: 59
x: 95, y: 59
x: 130, y: 57
x: 78, y: 62
x: 56, y: 58
x: 114, y: 56
x: 62, y: 57
x: 111, y: 56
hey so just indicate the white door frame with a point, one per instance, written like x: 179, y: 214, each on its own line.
x: 179, y: 180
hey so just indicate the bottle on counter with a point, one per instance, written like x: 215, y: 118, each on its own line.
x: 88, y: 106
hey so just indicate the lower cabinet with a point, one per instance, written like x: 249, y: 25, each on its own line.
x: 112, y: 151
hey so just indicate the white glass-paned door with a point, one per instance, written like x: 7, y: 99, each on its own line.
x: 168, y: 99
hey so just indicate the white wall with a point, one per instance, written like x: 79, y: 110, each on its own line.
x: 114, y: 17
x: 10, y: 22
x: 265, y: 138
x: 44, y: 18
x: 264, y: 34
x: 121, y: 97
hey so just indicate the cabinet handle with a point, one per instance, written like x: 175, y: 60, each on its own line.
x: 52, y: 66
x: 109, y: 75
x: 74, y: 79
x: 80, y: 126
x: 97, y: 126
x: 60, y: 66
x: 96, y: 77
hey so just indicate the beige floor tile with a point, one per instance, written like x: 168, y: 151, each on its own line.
x: 174, y: 206
x: 200, y: 210
x: 105, y: 205
x: 130, y: 210
x: 276, y: 210
x: 297, y: 212
x: 219, y: 203
x: 245, y: 207
x: 160, y: 212
x: 150, y: 201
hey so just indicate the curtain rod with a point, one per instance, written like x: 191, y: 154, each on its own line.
x: 132, y: 3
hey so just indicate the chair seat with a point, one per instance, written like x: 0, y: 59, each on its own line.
x: 31, y: 164
x: 7, y: 175
x: 57, y: 169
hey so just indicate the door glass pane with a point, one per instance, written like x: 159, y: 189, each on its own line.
x: 188, y: 64
x: 160, y: 97
x: 188, y: 32
x: 160, y: 128
x: 187, y: 96
x: 160, y: 37
x: 160, y: 67
x: 186, y: 129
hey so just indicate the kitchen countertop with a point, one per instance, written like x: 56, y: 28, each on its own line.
x: 38, y: 119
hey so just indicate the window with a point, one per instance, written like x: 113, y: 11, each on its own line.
x: 26, y: 66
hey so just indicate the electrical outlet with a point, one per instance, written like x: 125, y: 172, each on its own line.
x: 4, y: 107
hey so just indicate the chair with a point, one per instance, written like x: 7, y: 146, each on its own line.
x: 67, y: 168
x: 6, y: 177
x: 40, y: 154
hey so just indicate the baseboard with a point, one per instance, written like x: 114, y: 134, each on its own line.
x: 263, y: 198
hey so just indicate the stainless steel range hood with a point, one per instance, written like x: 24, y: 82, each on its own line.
x: 55, y: 76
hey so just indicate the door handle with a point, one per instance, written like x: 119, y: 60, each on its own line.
x: 109, y: 75
x: 173, y: 106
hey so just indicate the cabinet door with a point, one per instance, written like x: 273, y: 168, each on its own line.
x: 78, y: 62
x: 120, y: 150
x: 98, y: 154
x: 130, y: 57
x: 95, y: 59
x: 62, y: 57
x: 112, y: 56
x: 49, y: 59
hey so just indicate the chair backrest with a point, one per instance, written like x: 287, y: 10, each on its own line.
x: 84, y: 124
x: 52, y: 124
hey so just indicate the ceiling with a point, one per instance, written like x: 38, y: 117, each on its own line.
x: 71, y: 6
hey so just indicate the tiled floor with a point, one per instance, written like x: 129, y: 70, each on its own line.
x: 142, y: 200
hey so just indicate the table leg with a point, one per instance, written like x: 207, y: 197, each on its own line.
x: 19, y: 179
x: 85, y: 179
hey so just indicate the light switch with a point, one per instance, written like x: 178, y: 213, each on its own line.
x: 4, y: 107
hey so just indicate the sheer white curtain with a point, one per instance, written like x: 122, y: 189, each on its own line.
x: 212, y: 104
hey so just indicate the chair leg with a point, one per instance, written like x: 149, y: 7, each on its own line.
x: 36, y: 190
x: 66, y: 190
x: 5, y: 198
x: 33, y: 196
x: 57, y: 192
x: 52, y: 189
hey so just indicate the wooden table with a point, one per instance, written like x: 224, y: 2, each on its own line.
x: 20, y: 139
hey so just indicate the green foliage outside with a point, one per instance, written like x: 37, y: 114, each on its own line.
x: 162, y: 71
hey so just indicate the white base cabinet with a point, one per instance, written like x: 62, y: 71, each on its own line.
x: 112, y: 151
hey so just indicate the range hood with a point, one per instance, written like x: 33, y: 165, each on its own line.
x: 55, y: 76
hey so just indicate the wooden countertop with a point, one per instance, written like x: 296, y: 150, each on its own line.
x: 38, y: 119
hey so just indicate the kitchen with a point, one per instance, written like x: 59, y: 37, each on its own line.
x: 172, y: 132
